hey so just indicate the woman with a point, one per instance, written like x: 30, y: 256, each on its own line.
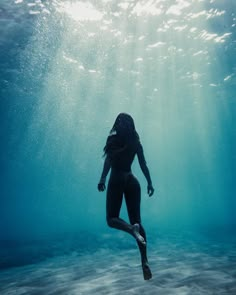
x: 121, y: 147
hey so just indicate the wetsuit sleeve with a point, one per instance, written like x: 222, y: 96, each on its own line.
x: 106, y: 168
x: 143, y: 164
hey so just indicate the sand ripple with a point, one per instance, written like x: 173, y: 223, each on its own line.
x: 178, y: 268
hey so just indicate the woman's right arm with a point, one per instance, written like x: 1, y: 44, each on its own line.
x: 106, y: 168
x: 145, y: 170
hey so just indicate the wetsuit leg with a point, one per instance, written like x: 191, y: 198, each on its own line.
x: 133, y: 199
x: 115, y: 192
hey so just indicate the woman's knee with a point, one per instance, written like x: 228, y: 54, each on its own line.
x: 110, y: 221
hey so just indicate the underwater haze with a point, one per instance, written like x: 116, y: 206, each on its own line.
x: 67, y: 69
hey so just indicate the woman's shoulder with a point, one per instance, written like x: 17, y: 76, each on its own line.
x: 113, y: 139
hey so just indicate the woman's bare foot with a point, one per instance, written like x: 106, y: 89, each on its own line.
x: 138, y: 237
x: 147, y: 274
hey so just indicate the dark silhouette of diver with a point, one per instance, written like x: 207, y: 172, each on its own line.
x: 121, y: 147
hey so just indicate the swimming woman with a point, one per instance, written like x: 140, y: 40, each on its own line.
x: 121, y: 147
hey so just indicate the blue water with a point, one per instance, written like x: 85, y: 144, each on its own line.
x: 67, y: 69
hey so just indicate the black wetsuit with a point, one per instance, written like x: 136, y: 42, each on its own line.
x: 123, y: 183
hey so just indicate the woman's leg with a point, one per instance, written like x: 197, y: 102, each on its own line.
x: 133, y: 199
x: 115, y: 192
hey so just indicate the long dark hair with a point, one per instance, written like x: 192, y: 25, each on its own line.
x: 122, y: 135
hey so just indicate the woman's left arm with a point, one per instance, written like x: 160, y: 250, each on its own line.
x: 145, y: 170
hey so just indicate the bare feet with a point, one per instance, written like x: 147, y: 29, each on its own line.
x: 138, y: 237
x: 147, y: 274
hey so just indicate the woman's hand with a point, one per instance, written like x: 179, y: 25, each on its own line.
x: 101, y: 186
x: 150, y: 190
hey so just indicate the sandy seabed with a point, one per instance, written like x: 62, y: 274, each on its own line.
x: 178, y: 268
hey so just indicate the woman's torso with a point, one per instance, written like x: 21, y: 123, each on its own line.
x: 123, y: 160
